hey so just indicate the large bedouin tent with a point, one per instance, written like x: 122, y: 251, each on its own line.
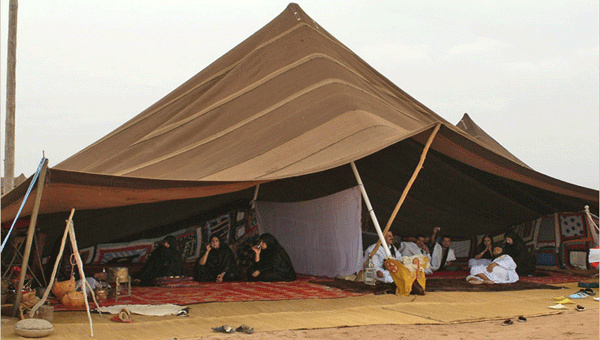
x: 290, y: 108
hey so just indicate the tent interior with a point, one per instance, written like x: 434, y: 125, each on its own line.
x: 290, y: 108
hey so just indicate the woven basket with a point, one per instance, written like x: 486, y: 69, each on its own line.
x: 73, y: 299
x: 61, y: 288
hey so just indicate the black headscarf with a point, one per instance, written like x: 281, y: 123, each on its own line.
x: 520, y: 254
x: 275, y: 263
x: 219, y: 260
x: 163, y: 261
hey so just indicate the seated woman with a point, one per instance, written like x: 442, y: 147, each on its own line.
x: 501, y: 270
x: 164, y: 261
x: 217, y: 264
x: 483, y: 252
x: 271, y: 261
x: 516, y: 248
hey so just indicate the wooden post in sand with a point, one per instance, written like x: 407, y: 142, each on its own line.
x: 30, y: 232
x: 406, y: 189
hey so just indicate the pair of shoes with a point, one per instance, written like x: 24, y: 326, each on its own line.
x: 522, y: 319
x: 589, y: 291
x: 582, y: 294
x: 223, y: 329
x: 564, y: 301
x: 579, y: 308
x: 245, y: 329
x: 558, y: 306
x: 507, y: 322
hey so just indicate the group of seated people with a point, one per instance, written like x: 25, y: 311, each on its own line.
x: 492, y: 263
x: 270, y: 262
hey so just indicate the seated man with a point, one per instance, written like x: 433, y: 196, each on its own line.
x: 501, y: 270
x: 417, y: 248
x: 383, y: 274
x: 442, y: 255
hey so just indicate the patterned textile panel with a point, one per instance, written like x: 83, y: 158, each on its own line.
x: 123, y: 252
x: 246, y: 232
x: 546, y: 235
x: 462, y: 248
x: 527, y: 231
x: 546, y: 257
x: 218, y: 227
x: 87, y: 254
x: 572, y: 226
x: 575, y: 255
x: 189, y: 242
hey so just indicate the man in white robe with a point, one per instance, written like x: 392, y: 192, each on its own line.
x: 442, y: 255
x: 501, y: 270
x: 379, y: 257
x: 417, y: 248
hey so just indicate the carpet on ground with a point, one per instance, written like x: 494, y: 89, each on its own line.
x: 192, y: 292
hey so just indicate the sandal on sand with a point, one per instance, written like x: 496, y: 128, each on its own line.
x: 579, y: 308
x: 557, y: 306
x: 558, y: 298
x: 597, y: 298
x: 507, y: 322
x: 522, y: 318
x: 223, y: 329
x: 245, y: 329
x: 564, y: 301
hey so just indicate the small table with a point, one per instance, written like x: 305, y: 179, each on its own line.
x: 119, y: 276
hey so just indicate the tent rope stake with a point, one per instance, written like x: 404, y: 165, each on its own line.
x: 407, y: 188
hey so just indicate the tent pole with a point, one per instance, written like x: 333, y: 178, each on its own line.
x: 409, y: 185
x: 371, y: 212
x: 30, y: 232
x: 55, y: 269
x: 253, y: 202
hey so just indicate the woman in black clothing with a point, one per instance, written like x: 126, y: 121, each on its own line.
x: 271, y: 261
x: 217, y: 264
x: 483, y: 252
x: 516, y: 248
x: 164, y: 261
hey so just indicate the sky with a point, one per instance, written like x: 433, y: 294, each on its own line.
x: 527, y: 72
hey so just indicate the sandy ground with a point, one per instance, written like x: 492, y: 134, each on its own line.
x: 567, y: 325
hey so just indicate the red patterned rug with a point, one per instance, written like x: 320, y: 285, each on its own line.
x: 192, y: 292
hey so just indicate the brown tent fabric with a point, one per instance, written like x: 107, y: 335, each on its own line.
x: 290, y: 107
x: 469, y: 126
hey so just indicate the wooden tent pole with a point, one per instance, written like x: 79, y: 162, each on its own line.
x: 30, y: 232
x: 370, y: 208
x: 253, y: 202
x: 56, y: 263
x: 408, y: 186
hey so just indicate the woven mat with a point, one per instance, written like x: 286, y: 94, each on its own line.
x: 186, y: 293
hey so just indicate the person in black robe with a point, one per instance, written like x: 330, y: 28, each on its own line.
x: 217, y: 264
x: 516, y: 248
x: 163, y: 261
x: 271, y: 261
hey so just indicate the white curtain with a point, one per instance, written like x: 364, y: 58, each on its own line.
x: 322, y: 236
